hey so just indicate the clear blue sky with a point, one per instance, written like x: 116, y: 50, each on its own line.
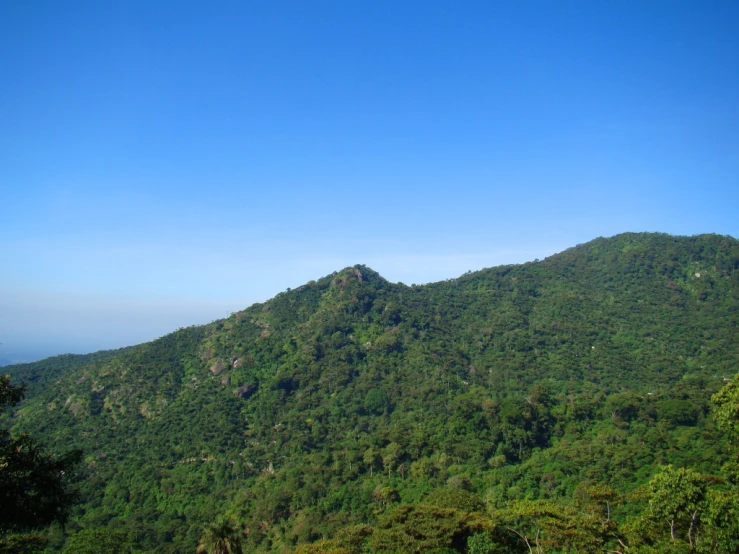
x: 163, y: 163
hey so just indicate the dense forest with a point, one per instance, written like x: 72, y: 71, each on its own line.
x: 582, y: 403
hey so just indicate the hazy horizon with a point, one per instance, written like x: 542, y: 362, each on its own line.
x: 178, y: 313
x: 161, y: 167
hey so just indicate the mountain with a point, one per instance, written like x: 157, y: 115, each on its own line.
x: 336, y: 402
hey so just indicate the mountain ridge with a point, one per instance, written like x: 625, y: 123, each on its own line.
x: 289, y: 414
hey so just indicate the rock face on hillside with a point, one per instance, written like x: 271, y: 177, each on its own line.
x: 245, y: 391
x: 330, y: 402
x: 218, y: 367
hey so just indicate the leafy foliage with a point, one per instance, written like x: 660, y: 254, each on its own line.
x: 222, y: 537
x: 34, y: 486
x: 727, y: 407
x: 97, y: 541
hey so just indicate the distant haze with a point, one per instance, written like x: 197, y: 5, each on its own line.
x: 38, y: 325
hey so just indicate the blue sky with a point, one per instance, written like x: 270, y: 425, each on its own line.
x: 164, y: 163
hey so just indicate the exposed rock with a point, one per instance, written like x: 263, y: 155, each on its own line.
x: 245, y: 391
x: 218, y: 367
x: 206, y: 355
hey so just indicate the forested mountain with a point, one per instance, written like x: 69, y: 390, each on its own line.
x: 466, y: 413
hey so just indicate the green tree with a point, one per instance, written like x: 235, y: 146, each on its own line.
x: 35, y: 486
x: 375, y: 401
x: 481, y: 543
x: 544, y: 526
x: 676, y: 497
x: 422, y: 528
x: 324, y: 546
x: 370, y: 458
x: 222, y: 537
x: 455, y: 499
x: 97, y: 541
x: 720, y: 520
x: 687, y: 512
x: 726, y: 407
x: 22, y: 542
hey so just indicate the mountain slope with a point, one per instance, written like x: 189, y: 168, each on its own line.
x: 326, y: 404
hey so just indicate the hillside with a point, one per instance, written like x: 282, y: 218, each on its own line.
x: 335, y: 403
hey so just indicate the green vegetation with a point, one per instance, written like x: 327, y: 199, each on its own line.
x: 223, y: 537
x: 35, y: 489
x: 555, y: 406
x: 97, y: 541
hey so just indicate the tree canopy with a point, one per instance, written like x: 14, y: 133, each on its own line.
x: 35, y: 486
